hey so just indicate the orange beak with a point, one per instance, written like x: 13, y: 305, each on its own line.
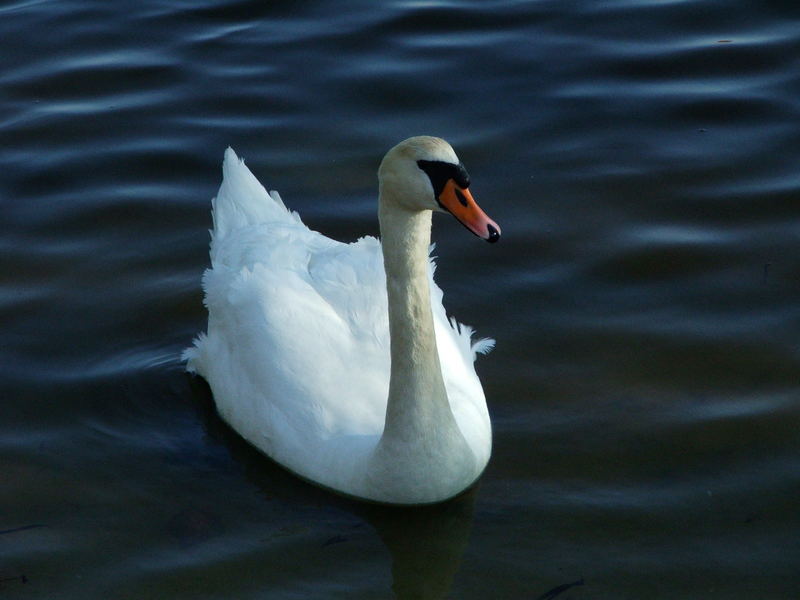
x: 460, y: 203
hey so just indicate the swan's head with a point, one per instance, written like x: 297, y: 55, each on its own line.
x: 424, y: 173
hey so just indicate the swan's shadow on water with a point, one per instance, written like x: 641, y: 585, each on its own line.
x: 426, y: 543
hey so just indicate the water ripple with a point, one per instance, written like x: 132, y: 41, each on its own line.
x: 642, y: 160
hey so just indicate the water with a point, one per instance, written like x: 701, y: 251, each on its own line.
x: 642, y: 159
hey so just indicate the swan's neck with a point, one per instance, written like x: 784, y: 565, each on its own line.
x: 417, y: 396
x: 422, y: 446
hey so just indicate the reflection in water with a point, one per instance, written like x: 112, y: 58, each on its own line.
x: 426, y: 544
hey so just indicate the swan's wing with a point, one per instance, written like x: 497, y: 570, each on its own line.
x: 297, y: 349
x: 297, y: 355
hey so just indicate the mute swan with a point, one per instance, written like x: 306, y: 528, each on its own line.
x: 337, y: 360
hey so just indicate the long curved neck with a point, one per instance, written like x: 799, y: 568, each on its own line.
x: 422, y: 455
x: 417, y: 407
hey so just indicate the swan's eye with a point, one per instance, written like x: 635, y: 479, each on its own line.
x: 440, y: 172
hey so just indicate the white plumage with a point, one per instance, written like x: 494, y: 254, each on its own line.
x: 297, y: 352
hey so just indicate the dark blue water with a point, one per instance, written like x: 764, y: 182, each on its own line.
x: 643, y: 160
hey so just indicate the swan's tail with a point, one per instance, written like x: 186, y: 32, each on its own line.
x: 242, y: 201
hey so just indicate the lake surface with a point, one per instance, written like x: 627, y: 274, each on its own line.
x: 643, y: 160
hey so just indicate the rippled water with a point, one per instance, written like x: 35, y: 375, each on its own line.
x: 642, y: 158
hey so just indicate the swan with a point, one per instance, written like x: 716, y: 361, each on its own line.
x: 338, y: 360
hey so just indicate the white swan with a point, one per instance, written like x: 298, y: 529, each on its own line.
x: 368, y: 393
